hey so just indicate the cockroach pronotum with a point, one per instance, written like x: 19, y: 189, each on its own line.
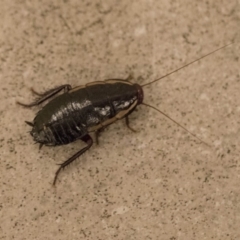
x: 88, y: 108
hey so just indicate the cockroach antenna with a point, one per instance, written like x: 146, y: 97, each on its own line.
x: 170, y: 73
x: 145, y: 104
x: 186, y: 65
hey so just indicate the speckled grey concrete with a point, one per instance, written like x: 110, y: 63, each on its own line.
x: 158, y: 183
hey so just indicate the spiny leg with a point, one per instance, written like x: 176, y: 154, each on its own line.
x: 46, y: 95
x: 88, y: 140
x: 127, y: 123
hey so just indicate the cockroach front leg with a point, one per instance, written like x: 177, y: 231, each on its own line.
x: 88, y: 140
x: 46, y: 95
x: 128, y: 126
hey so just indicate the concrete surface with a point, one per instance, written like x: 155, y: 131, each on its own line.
x: 158, y: 183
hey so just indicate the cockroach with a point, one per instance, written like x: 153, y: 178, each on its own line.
x: 88, y: 108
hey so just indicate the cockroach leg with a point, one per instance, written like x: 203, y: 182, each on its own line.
x: 46, y: 95
x: 97, y: 134
x: 127, y: 123
x: 129, y: 78
x: 88, y: 140
x: 29, y: 123
x: 53, y: 91
x: 40, y: 146
x: 37, y: 93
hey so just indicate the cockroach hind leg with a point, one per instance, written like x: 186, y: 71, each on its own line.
x: 23, y: 104
x: 30, y: 104
x: 88, y: 140
x: 29, y: 123
x: 36, y: 93
x: 51, y: 92
x: 47, y: 95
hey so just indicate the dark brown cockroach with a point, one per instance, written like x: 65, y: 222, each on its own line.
x: 89, y: 108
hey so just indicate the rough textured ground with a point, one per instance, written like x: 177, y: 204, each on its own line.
x: 158, y: 183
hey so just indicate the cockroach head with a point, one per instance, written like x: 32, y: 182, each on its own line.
x: 140, y: 94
